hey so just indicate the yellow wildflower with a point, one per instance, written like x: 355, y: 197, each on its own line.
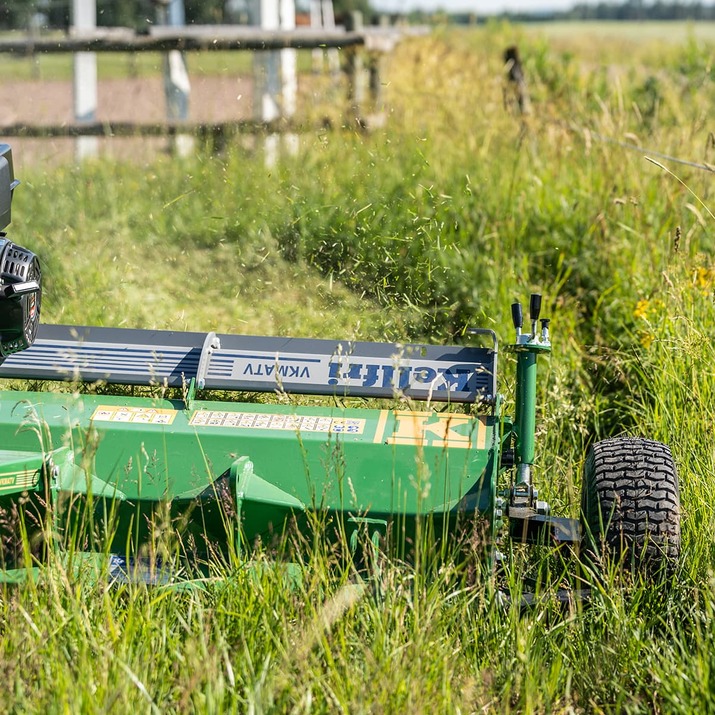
x: 646, y: 339
x: 641, y: 310
x: 704, y: 277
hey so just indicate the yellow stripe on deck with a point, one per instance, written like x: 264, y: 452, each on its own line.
x: 18, y: 480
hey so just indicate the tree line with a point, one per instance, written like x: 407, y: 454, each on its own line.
x: 638, y: 10
x: 137, y: 14
x: 20, y: 14
x: 629, y: 10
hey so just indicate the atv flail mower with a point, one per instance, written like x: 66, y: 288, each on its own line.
x: 104, y: 468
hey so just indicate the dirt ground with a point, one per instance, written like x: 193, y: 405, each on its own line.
x: 213, y: 99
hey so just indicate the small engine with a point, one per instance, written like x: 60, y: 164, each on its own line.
x: 20, y: 275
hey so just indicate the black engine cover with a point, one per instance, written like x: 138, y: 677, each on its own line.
x: 20, y: 297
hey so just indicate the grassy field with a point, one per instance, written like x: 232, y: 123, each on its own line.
x: 112, y: 65
x: 669, y: 31
x: 435, y: 222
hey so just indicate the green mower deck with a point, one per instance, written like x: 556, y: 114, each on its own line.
x: 262, y: 466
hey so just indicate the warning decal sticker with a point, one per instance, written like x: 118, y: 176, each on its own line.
x: 432, y: 429
x: 295, y: 423
x: 135, y: 415
x: 19, y: 480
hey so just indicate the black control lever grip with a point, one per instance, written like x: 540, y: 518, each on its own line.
x: 517, y: 315
x: 535, y: 306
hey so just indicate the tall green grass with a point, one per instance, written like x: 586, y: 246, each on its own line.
x: 435, y: 222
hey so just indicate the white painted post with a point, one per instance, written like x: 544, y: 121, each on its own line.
x: 289, y: 61
x: 177, y: 87
x: 329, y: 24
x: 289, y: 75
x: 322, y: 17
x: 275, y: 71
x: 84, y: 20
x: 316, y: 22
x: 266, y: 64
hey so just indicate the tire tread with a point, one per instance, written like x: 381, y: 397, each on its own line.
x: 631, y: 498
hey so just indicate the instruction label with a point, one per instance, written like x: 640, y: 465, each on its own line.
x: 293, y: 423
x: 135, y: 415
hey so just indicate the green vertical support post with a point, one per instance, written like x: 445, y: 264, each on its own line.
x: 525, y: 411
x: 528, y: 346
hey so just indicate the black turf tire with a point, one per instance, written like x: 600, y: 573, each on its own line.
x: 630, y: 502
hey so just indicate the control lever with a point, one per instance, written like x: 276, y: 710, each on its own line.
x: 534, y: 311
x: 545, y: 322
x: 517, y: 317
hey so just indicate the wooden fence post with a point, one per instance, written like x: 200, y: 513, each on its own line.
x: 375, y: 83
x: 84, y: 20
x: 355, y: 67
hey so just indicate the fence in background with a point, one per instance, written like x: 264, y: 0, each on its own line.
x: 274, y: 73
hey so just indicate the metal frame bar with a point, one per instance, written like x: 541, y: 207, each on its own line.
x: 258, y: 364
